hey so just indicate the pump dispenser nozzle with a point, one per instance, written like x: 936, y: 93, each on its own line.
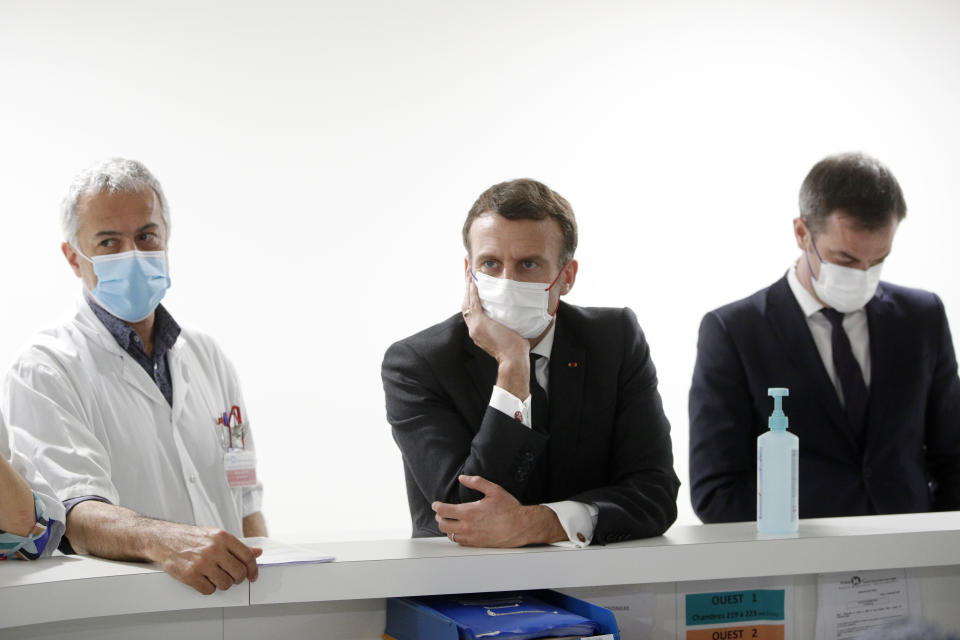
x: 778, y: 420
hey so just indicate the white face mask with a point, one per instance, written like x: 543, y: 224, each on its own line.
x: 521, y: 306
x: 844, y: 288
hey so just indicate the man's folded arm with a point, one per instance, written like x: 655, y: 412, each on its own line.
x: 641, y: 499
x: 943, y: 423
x: 723, y: 484
x: 437, y: 443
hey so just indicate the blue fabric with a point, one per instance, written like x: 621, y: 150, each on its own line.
x: 32, y: 546
x: 165, y: 334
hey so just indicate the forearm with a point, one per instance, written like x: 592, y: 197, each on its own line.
x: 504, y: 451
x: 109, y: 531
x: 513, y: 374
x: 945, y: 471
x: 440, y: 441
x: 254, y: 525
x: 942, y: 442
x: 633, y: 509
x: 16, y: 501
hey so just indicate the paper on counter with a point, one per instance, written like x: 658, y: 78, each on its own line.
x: 276, y: 552
x: 850, y: 603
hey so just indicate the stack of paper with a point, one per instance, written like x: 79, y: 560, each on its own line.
x: 276, y: 552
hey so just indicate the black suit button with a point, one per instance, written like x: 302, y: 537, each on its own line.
x: 867, y: 472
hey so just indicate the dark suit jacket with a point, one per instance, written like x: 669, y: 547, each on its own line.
x: 909, y: 459
x: 608, y: 443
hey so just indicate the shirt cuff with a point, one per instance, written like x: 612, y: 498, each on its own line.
x: 252, y: 499
x: 578, y: 520
x: 70, y: 503
x: 505, y: 402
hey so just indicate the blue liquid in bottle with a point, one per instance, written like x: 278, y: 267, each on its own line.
x: 778, y: 473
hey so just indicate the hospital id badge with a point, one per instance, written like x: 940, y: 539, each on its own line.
x: 241, y: 468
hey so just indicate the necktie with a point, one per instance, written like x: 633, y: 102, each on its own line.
x: 539, y: 404
x: 848, y: 371
x: 536, y: 491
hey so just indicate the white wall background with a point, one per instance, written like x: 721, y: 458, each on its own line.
x: 320, y: 158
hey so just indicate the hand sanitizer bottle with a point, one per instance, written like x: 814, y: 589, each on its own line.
x: 778, y: 473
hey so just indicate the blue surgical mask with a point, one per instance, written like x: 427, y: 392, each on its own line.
x: 131, y: 284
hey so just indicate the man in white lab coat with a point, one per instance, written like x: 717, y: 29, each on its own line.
x: 138, y: 425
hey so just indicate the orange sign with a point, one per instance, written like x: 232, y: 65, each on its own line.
x: 753, y: 632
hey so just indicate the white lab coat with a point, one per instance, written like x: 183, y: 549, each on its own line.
x: 96, y: 424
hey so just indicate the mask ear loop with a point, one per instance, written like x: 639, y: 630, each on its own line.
x: 555, y: 280
x: 80, y: 253
x: 806, y: 254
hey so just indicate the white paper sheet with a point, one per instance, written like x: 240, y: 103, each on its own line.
x: 852, y: 602
x: 276, y: 552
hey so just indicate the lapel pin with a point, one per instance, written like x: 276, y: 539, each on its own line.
x: 573, y: 365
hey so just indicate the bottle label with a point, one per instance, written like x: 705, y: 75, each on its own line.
x: 795, y: 486
x: 759, y: 483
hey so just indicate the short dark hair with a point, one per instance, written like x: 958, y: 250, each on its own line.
x: 856, y: 184
x: 526, y: 199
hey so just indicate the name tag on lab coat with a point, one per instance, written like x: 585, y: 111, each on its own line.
x: 241, y: 468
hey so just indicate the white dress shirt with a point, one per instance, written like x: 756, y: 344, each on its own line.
x: 578, y: 519
x: 854, y: 323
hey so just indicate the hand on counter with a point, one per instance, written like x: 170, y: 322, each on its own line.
x: 497, y: 519
x: 205, y: 558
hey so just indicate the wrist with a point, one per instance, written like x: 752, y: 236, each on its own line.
x: 156, y: 535
x: 545, y: 527
x: 513, y: 375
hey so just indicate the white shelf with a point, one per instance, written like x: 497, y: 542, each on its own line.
x: 379, y: 569
x: 66, y: 588
x: 73, y: 587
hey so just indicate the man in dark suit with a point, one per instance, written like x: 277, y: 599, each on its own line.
x: 522, y: 419
x: 874, y: 392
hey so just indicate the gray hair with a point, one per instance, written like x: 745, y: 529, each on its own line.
x: 116, y: 175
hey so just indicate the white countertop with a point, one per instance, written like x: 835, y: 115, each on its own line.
x: 85, y: 587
